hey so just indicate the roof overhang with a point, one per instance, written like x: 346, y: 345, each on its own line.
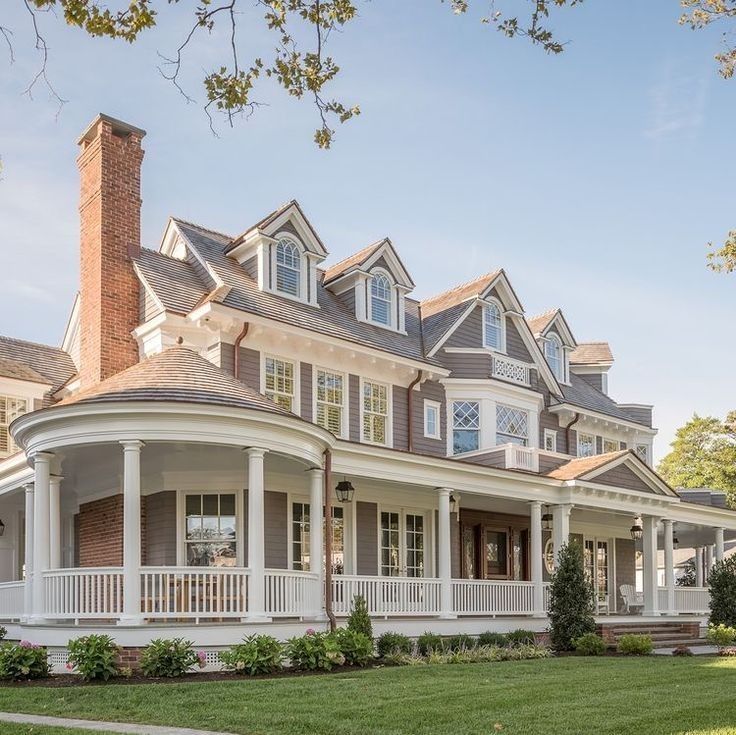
x: 560, y: 408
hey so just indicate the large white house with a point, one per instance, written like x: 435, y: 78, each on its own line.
x: 169, y: 467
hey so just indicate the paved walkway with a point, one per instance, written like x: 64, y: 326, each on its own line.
x: 697, y: 651
x: 116, y: 727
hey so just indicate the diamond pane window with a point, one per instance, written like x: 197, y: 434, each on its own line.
x: 512, y: 425
x: 288, y: 268
x: 642, y: 451
x: 586, y: 445
x: 375, y: 412
x: 10, y: 409
x: 380, y: 299
x: 280, y: 385
x: 465, y: 426
x: 492, y: 327
x: 330, y: 401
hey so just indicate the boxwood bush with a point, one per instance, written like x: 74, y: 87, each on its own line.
x: 23, y: 660
x: 589, y: 644
x: 389, y: 644
x: 255, y: 656
x: 356, y: 647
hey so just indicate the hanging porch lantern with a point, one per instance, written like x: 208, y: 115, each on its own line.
x: 2, y: 528
x: 547, y: 519
x: 637, y: 530
x: 344, y: 491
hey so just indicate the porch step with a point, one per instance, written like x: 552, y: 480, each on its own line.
x: 663, y: 635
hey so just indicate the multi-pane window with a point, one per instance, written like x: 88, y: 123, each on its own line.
x: 586, y: 445
x: 553, y: 353
x: 375, y: 412
x: 642, y: 451
x: 550, y: 440
x: 288, y: 268
x: 330, y: 401
x: 380, y: 299
x: 432, y: 420
x: 280, y: 382
x: 465, y: 426
x: 492, y: 327
x: 210, y: 537
x: 390, y: 544
x: 10, y: 409
x: 414, y: 545
x: 610, y: 445
x: 512, y: 425
x: 338, y: 540
x: 300, y: 536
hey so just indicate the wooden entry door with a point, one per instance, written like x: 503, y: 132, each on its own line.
x: 492, y: 551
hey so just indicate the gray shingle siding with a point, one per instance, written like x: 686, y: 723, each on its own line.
x: 366, y: 526
x: 475, y: 366
x: 400, y: 417
x: 622, y: 477
x: 275, y: 522
x: 161, y: 529
x: 430, y: 390
x: 354, y: 400
x: 250, y: 367
x: 596, y: 380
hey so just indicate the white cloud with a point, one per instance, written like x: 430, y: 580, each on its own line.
x: 678, y: 103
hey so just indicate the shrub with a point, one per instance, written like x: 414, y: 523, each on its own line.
x: 462, y: 642
x: 3, y: 632
x: 359, y: 620
x: 722, y: 585
x: 486, y: 654
x: 635, y: 645
x: 429, y: 642
x: 356, y: 647
x: 23, y: 660
x: 392, y: 643
x: 721, y: 635
x: 571, y: 599
x: 492, y: 639
x: 727, y: 651
x: 590, y: 644
x: 94, y: 656
x: 682, y: 650
x: 314, y: 651
x: 520, y: 636
x: 256, y: 655
x: 174, y: 657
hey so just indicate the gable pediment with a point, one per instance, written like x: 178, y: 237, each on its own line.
x: 628, y: 472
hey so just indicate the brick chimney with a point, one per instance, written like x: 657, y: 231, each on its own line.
x: 109, y: 164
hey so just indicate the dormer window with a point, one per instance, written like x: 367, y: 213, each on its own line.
x: 493, y: 327
x: 381, y: 299
x: 553, y: 354
x: 288, y: 268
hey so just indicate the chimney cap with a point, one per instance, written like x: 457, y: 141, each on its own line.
x: 119, y: 127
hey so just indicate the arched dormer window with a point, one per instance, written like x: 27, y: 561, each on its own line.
x: 288, y: 268
x: 381, y: 297
x: 493, y: 327
x: 553, y: 354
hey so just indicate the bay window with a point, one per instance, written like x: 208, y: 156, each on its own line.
x: 512, y: 425
x: 465, y: 426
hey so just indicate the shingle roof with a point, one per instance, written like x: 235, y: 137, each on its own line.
x: 591, y: 353
x: 458, y: 294
x: 175, y: 282
x: 578, y: 467
x: 19, y: 371
x: 539, y: 323
x: 352, y: 261
x: 51, y: 363
x: 176, y: 374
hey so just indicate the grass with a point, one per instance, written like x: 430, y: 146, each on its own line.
x: 12, y: 728
x: 606, y: 696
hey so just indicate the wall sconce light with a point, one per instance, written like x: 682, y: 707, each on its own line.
x: 454, y: 503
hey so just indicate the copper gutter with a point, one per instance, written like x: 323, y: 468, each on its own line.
x: 238, y: 340
x: 410, y: 411
x: 328, y: 540
x: 567, y: 431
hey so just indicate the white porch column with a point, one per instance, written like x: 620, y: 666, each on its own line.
x: 560, y: 526
x: 535, y: 549
x: 42, y: 483
x: 708, y: 561
x: 256, y: 535
x: 669, y: 566
x: 651, y: 592
x: 131, y: 532
x: 28, y: 589
x: 55, y: 522
x: 719, y: 544
x: 316, y: 534
x: 445, y: 554
x: 699, y: 566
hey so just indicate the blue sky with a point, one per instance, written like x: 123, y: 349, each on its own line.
x: 594, y: 178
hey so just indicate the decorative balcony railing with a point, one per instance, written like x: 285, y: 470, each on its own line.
x: 507, y: 368
x: 521, y: 458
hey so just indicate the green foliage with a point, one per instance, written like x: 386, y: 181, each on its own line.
x: 3, y: 632
x: 462, y: 642
x: 359, y: 620
x: 520, y: 635
x: 94, y: 657
x: 490, y: 654
x: 721, y: 635
x: 23, y: 660
x: 314, y: 651
x: 571, y: 599
x: 589, y: 644
x: 722, y: 585
x: 489, y: 638
x: 687, y: 575
x: 428, y: 642
x: 635, y: 645
x: 169, y: 657
x: 392, y: 643
x: 723, y: 259
x: 255, y: 656
x: 356, y: 647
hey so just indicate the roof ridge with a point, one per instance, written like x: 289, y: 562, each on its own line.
x: 18, y: 340
x: 553, y: 310
x: 460, y: 286
x: 333, y: 270
x: 202, y: 227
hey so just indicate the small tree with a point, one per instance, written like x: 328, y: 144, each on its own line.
x: 359, y: 620
x: 722, y: 584
x: 571, y: 599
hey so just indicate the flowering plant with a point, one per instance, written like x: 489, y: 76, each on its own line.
x: 170, y: 657
x: 23, y: 661
x: 257, y: 654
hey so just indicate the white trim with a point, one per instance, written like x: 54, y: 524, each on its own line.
x: 389, y: 417
x: 428, y: 549
x: 345, y: 418
x: 436, y: 406
x: 487, y: 304
x: 550, y: 434
x: 296, y: 407
x: 559, y: 407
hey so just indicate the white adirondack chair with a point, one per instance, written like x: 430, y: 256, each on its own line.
x: 632, y: 598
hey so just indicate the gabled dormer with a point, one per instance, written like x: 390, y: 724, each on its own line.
x: 555, y: 340
x: 377, y: 282
x: 592, y: 361
x: 284, y: 251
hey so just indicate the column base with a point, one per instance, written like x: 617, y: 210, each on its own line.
x: 37, y: 620
x: 130, y: 620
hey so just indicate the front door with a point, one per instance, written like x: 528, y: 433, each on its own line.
x: 402, y: 544
x: 598, y: 571
x: 493, y: 552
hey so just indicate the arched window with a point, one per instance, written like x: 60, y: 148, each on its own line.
x: 492, y: 327
x: 288, y: 268
x: 381, y: 299
x: 553, y: 353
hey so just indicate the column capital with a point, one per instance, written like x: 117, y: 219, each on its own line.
x: 316, y: 472
x: 132, y: 445
x: 29, y: 487
x: 56, y: 478
x: 44, y: 457
x: 536, y: 503
x: 444, y: 492
x: 255, y: 451
x: 667, y: 522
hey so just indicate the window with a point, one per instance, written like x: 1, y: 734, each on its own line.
x: 512, y: 425
x: 390, y: 540
x: 414, y: 545
x: 338, y: 540
x: 610, y: 445
x: 550, y: 440
x: 280, y: 382
x: 492, y: 327
x: 432, y: 420
x: 465, y: 426
x: 288, y: 268
x: 642, y: 451
x: 375, y: 413
x: 210, y: 537
x: 330, y: 401
x: 381, y: 299
x: 553, y: 353
x: 10, y: 409
x: 300, y: 527
x: 586, y: 445
x: 402, y: 544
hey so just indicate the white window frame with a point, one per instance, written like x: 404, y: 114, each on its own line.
x: 552, y: 435
x: 296, y: 398
x: 527, y: 437
x: 389, y: 416
x: 554, y: 339
x: 270, y: 279
x: 593, y: 444
x: 605, y: 439
x: 13, y: 448
x: 486, y: 309
x: 344, y: 419
x: 391, y: 324
x: 435, y: 406
x: 451, y: 426
x: 647, y: 451
x: 427, y: 534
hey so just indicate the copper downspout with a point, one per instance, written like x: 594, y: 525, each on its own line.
x: 410, y: 411
x: 567, y: 431
x: 328, y: 540
x: 238, y: 340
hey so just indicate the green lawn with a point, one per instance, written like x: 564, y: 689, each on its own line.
x: 655, y: 696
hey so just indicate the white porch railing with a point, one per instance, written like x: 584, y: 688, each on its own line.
x: 11, y: 600
x: 83, y: 593
x: 194, y: 592
x: 688, y: 600
x: 292, y: 593
x: 521, y: 458
x: 487, y: 597
x: 507, y: 368
x: 387, y: 595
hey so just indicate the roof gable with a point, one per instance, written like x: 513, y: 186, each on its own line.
x: 551, y: 320
x: 51, y: 364
x: 382, y: 254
